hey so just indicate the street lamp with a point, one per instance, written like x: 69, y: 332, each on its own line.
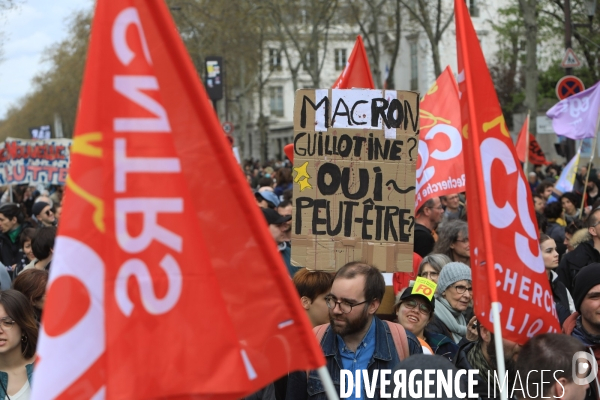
x: 590, y: 6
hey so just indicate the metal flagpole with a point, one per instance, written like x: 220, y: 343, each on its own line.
x: 10, y: 193
x: 525, y: 166
x: 587, y: 177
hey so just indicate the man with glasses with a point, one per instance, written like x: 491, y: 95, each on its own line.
x: 584, y: 254
x: 43, y: 213
x: 427, y: 219
x: 355, y: 339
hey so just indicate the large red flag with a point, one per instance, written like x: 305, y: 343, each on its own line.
x: 440, y: 167
x: 165, y: 281
x: 536, y: 155
x: 506, y: 259
x: 357, y: 73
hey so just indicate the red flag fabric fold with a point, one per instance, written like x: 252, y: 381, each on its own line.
x: 357, y: 73
x: 165, y: 282
x: 506, y: 260
x: 440, y: 167
x: 536, y: 154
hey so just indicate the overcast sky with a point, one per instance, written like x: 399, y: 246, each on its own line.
x: 28, y: 30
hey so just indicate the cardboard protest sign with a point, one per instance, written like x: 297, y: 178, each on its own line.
x: 355, y: 154
x: 37, y: 161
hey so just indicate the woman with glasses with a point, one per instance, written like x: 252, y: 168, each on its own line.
x: 432, y: 265
x: 18, y: 340
x: 453, y: 296
x: 562, y: 298
x: 414, y: 311
x: 453, y: 241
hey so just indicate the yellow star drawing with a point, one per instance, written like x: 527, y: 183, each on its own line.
x: 304, y: 184
x: 301, y: 171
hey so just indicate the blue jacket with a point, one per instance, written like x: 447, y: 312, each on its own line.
x: 441, y: 345
x: 384, y: 357
x: 4, y: 379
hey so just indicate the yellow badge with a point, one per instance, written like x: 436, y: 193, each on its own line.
x: 424, y: 287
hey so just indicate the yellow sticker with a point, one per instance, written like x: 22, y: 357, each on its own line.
x: 424, y: 287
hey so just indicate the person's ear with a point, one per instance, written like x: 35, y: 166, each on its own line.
x: 592, y: 231
x: 306, y: 303
x: 559, y: 388
x: 373, y: 306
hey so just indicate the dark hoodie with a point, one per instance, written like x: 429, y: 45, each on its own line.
x: 572, y: 326
x: 573, y: 261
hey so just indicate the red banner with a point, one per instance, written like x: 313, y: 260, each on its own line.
x: 505, y: 254
x: 440, y: 167
x: 536, y: 155
x: 357, y: 73
x: 165, y: 281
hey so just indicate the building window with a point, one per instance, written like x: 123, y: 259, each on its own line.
x: 414, y: 66
x: 276, y: 99
x: 275, y: 59
x: 473, y: 9
x: 340, y: 59
x: 309, y: 59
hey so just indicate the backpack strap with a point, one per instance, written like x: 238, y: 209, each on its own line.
x: 319, y: 331
x: 400, y: 339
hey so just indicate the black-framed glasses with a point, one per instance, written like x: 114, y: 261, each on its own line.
x: 461, y: 289
x: 465, y: 240
x: 49, y: 213
x: 411, y: 304
x: 345, y: 306
x: 7, y: 323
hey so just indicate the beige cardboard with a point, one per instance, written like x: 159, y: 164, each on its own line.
x: 361, y: 208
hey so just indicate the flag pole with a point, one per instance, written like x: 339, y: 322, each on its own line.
x: 327, y: 383
x: 587, y: 177
x: 525, y: 166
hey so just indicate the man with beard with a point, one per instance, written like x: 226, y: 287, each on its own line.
x: 481, y: 355
x: 584, y: 323
x: 355, y: 339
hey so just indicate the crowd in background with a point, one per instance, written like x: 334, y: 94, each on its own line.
x: 445, y: 326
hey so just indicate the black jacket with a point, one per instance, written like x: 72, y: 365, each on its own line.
x: 572, y: 262
x: 424, y: 240
x: 9, y: 251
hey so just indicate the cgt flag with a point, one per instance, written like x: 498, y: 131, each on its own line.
x: 536, y: 155
x: 357, y: 73
x: 440, y: 165
x: 506, y: 259
x: 149, y: 293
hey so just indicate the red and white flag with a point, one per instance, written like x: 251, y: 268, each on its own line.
x: 440, y: 166
x: 536, y: 154
x: 506, y: 259
x: 165, y: 281
x: 357, y: 73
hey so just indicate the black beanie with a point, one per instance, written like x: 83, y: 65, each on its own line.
x: 587, y: 278
x: 38, y: 207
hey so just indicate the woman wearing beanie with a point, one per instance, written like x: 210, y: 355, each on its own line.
x: 453, y: 296
x: 562, y: 298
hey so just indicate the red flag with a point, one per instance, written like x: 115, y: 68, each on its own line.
x: 440, y: 167
x: 506, y: 259
x: 536, y: 155
x: 357, y: 73
x: 165, y: 281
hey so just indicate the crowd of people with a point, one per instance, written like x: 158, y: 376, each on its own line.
x: 439, y: 330
x: 342, y: 306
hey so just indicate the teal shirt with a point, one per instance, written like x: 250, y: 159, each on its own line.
x: 4, y: 379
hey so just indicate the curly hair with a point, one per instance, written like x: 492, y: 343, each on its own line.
x: 448, y: 234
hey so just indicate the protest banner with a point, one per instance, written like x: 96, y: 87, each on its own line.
x: 43, y: 161
x: 441, y: 169
x: 355, y: 154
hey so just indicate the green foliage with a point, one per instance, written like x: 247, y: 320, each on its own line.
x: 549, y: 78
